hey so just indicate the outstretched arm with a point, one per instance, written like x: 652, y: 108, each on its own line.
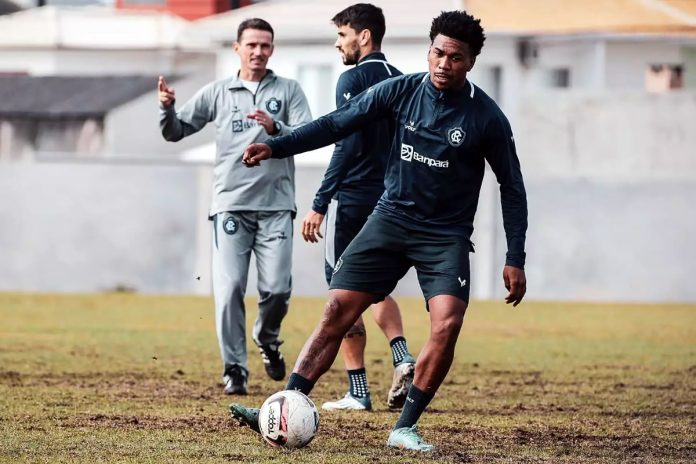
x: 192, y: 117
x: 373, y: 104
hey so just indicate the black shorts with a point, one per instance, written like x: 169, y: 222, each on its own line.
x: 343, y: 222
x: 385, y: 249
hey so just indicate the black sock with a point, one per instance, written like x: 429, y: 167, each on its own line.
x: 399, y: 350
x: 416, y: 402
x: 357, y: 378
x: 299, y: 383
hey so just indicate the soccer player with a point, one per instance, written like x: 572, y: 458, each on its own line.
x: 251, y: 210
x: 447, y: 129
x: 353, y: 183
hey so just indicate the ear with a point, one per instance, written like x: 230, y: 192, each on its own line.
x: 365, y: 37
x: 235, y: 46
x: 272, y: 49
x: 471, y: 63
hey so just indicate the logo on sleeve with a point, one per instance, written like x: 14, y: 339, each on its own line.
x: 347, y: 95
x: 230, y: 226
x: 273, y: 105
x: 411, y: 126
x: 455, y: 136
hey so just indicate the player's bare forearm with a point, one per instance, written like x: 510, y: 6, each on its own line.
x: 516, y: 284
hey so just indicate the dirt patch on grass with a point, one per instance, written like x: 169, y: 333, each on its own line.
x: 124, y: 386
x: 200, y: 423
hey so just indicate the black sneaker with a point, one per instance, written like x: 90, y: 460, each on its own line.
x: 273, y: 360
x: 235, y: 380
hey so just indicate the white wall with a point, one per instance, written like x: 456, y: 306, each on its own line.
x: 611, y: 182
x: 627, y: 62
x: 689, y: 59
x: 80, y: 227
x: 41, y: 61
x: 584, y: 58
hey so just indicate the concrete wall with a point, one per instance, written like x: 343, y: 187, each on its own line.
x: 79, y: 227
x: 611, y: 183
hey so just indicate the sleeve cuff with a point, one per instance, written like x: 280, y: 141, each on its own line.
x: 276, y: 151
x: 515, y: 260
x: 319, y: 208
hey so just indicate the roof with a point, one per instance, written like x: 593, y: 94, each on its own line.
x: 404, y: 19
x: 52, y: 97
x: 586, y: 16
x: 411, y: 20
x: 8, y: 6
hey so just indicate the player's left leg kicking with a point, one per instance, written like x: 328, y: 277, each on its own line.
x: 370, y: 262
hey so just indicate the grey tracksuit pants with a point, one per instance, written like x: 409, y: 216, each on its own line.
x: 236, y: 234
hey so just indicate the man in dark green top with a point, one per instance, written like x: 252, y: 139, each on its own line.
x: 352, y: 185
x: 447, y: 129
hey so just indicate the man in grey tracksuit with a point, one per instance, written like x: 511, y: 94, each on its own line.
x: 251, y: 210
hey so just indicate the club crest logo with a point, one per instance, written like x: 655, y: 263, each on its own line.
x: 273, y: 105
x: 230, y: 226
x: 455, y: 136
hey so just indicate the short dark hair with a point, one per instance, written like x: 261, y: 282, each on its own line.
x: 253, y: 23
x: 459, y: 25
x: 363, y: 16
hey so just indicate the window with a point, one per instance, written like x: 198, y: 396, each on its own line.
x: 559, y: 78
x: 664, y: 77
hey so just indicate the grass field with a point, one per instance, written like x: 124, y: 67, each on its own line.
x: 129, y: 378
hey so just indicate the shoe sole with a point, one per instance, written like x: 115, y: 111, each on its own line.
x: 399, y: 389
x: 401, y: 446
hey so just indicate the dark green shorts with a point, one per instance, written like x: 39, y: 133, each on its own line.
x: 385, y: 249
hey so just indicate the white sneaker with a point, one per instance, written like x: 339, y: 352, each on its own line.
x: 401, y: 382
x: 349, y: 402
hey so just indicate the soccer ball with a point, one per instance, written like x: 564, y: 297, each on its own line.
x: 288, y: 419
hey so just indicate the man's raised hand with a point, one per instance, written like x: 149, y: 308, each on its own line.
x: 255, y: 153
x: 165, y: 93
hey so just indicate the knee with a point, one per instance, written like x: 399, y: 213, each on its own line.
x: 275, y: 292
x: 333, y: 321
x: 447, y: 329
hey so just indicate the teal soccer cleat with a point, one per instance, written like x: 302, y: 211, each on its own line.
x: 408, y: 438
x: 245, y: 416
